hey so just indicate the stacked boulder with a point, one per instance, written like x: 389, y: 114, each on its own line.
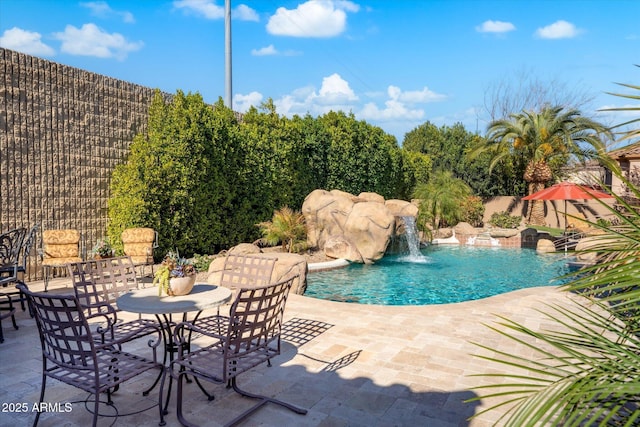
x: 356, y: 228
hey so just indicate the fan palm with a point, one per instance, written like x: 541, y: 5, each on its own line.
x: 545, y: 140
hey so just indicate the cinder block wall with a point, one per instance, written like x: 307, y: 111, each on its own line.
x: 62, y: 132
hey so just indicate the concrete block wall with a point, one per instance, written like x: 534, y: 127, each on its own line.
x: 62, y: 131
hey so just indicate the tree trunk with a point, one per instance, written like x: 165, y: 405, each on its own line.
x: 535, y: 211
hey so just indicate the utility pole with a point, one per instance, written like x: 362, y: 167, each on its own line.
x: 227, y: 54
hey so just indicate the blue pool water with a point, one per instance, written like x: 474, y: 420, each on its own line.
x: 444, y: 274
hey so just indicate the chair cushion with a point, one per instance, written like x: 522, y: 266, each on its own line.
x: 60, y: 237
x: 138, y: 235
x: 60, y: 261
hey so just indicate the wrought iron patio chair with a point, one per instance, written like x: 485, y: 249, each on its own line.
x: 97, y: 284
x: 59, y: 248
x: 22, y: 261
x: 6, y: 304
x: 72, y: 356
x: 10, y: 248
x: 252, y: 337
x: 239, y: 271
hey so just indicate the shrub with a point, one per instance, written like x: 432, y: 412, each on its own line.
x: 472, y: 210
x: 505, y: 220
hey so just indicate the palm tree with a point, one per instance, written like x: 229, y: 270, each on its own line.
x: 545, y: 141
x: 441, y: 199
x: 587, y: 369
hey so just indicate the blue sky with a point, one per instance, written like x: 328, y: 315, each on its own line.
x: 395, y: 64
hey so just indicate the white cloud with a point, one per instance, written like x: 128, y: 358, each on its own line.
x: 558, y: 30
x: 245, y: 13
x: 93, y: 41
x: 26, y: 42
x: 495, y: 27
x: 264, y: 51
x: 210, y: 10
x: 242, y: 103
x: 102, y: 10
x: 397, y: 109
x: 315, y: 18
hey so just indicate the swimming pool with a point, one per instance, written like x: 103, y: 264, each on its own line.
x: 443, y: 274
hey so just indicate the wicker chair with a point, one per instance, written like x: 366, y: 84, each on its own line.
x: 139, y: 244
x: 59, y: 248
x: 252, y: 337
x: 72, y: 356
x: 239, y: 271
x: 97, y: 284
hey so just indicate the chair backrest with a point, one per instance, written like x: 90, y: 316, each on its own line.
x: 102, y: 280
x: 64, y: 332
x: 139, y: 244
x: 247, y: 270
x: 60, y: 244
x: 255, y: 323
x: 10, y: 246
x: 25, y: 250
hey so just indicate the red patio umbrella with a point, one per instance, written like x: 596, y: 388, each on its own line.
x: 567, y: 191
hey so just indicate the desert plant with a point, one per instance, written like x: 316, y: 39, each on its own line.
x: 505, y: 220
x: 286, y: 227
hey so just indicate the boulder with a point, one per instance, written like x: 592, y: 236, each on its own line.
x: 545, y: 246
x: 370, y: 226
x: 286, y: 265
x: 401, y: 208
x: 358, y: 228
x: 339, y: 247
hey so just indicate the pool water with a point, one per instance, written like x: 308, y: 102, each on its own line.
x: 443, y: 274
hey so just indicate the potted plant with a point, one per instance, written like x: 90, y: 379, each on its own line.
x: 176, y: 275
x: 102, y: 249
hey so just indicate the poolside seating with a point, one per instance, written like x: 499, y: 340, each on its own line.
x: 252, y: 337
x: 97, y: 284
x: 239, y: 271
x: 59, y: 248
x: 139, y: 244
x: 71, y: 355
x: 10, y: 250
x: 6, y: 308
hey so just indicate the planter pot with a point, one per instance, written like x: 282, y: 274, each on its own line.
x: 181, y: 285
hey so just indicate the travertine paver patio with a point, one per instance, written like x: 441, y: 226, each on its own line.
x: 348, y: 364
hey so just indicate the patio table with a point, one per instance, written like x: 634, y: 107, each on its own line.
x: 147, y: 301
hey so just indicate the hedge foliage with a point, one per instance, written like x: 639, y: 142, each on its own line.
x: 203, y: 179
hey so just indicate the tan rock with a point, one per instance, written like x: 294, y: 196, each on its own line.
x: 370, y: 229
x: 545, y: 246
x: 401, y: 208
x: 286, y: 264
x: 339, y: 247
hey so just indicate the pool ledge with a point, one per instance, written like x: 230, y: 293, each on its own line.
x: 328, y: 265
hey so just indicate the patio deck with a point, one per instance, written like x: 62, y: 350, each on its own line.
x: 348, y: 364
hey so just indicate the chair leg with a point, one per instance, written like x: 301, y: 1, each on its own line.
x: 160, y: 408
x: 263, y: 400
x: 42, y: 387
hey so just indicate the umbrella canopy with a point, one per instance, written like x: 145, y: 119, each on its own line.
x: 567, y: 191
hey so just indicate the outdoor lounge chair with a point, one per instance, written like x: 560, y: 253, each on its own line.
x: 139, y: 244
x: 239, y: 271
x: 97, y: 284
x: 252, y: 337
x: 72, y: 356
x: 59, y: 248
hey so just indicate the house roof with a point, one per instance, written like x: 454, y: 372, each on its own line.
x: 631, y: 151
